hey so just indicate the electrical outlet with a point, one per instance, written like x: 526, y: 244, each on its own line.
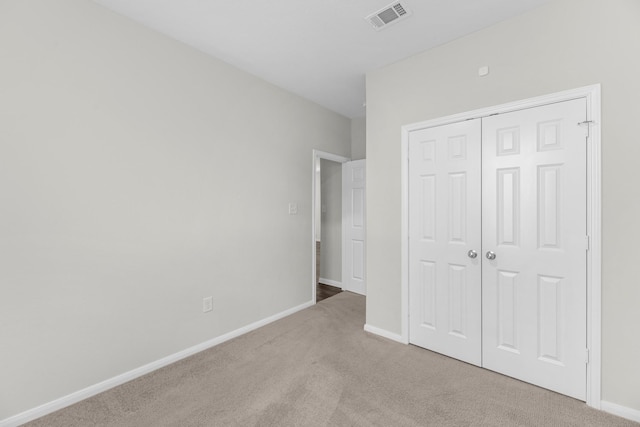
x: 207, y: 304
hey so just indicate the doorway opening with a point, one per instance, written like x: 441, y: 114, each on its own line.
x: 327, y: 225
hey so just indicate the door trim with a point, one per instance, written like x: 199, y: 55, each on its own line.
x: 594, y: 219
x: 317, y: 155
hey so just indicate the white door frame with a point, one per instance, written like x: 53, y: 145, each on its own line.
x: 317, y: 155
x: 594, y: 220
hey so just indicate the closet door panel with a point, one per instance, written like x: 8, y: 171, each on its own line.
x: 534, y: 221
x: 444, y: 226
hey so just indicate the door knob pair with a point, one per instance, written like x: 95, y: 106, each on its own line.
x: 473, y: 254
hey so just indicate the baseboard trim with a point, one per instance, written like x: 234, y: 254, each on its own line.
x: 384, y: 333
x: 330, y: 282
x: 103, y: 386
x: 621, y: 411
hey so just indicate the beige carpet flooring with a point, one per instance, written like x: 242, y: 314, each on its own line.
x: 319, y: 368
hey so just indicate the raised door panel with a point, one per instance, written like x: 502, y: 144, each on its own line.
x: 506, y: 322
x: 426, y: 295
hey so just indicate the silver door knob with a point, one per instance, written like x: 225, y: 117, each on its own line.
x: 491, y: 255
x: 472, y: 254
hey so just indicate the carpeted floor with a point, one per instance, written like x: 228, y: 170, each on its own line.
x: 319, y: 368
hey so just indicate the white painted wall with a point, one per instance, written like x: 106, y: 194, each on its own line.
x: 358, y: 138
x: 138, y: 176
x: 562, y: 45
x: 331, y: 259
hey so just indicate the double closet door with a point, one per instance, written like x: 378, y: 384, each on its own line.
x: 497, y: 243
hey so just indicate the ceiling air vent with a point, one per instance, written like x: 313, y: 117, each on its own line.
x: 388, y: 15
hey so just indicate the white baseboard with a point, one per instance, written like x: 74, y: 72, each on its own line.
x: 621, y: 411
x: 384, y: 333
x: 90, y: 391
x: 330, y: 282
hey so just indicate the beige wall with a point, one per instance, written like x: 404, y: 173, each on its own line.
x: 331, y: 259
x: 138, y: 176
x: 358, y: 138
x: 562, y: 45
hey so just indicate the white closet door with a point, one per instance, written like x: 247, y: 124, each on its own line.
x: 353, y: 223
x: 534, y: 221
x: 444, y: 226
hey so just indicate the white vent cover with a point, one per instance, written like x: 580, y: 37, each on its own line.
x: 388, y: 15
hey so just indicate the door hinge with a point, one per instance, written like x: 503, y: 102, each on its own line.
x: 587, y: 124
x: 587, y: 242
x: 586, y: 355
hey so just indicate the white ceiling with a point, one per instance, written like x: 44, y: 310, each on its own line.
x: 318, y: 49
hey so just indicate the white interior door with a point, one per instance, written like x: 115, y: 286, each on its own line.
x: 534, y: 227
x: 444, y: 240
x: 353, y: 226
